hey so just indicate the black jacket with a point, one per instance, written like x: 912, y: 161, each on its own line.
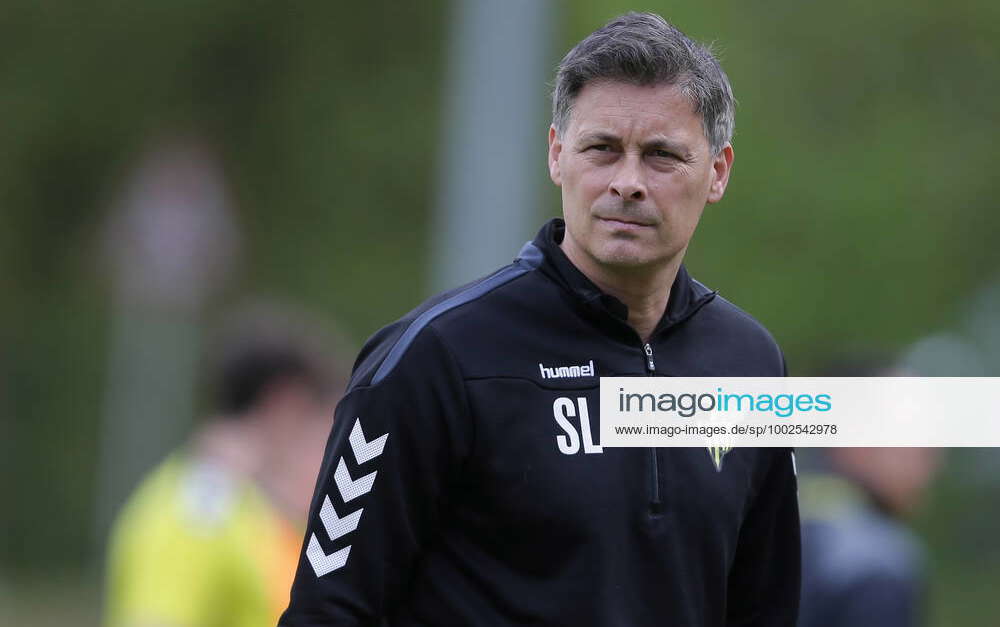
x: 464, y: 483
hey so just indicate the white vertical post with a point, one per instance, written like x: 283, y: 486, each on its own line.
x: 493, y: 157
x: 170, y: 243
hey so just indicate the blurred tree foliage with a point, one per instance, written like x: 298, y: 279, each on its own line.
x: 326, y: 117
x: 860, y: 211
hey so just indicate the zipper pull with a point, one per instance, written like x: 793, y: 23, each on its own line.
x: 649, y: 357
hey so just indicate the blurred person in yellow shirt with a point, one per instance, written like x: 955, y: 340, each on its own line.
x: 212, y: 536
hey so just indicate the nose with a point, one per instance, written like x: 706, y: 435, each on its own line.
x: 627, y: 183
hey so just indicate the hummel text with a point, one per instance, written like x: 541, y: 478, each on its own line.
x: 567, y: 372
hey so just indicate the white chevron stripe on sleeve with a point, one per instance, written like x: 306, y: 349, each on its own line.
x: 364, y: 450
x: 335, y: 525
x: 323, y: 563
x: 352, y: 488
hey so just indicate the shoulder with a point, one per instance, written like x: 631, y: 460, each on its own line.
x: 735, y: 323
x: 184, y: 497
x: 178, y: 523
x: 186, y: 533
x: 426, y: 335
x: 739, y: 337
x: 864, y: 547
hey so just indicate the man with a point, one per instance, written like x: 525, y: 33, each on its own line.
x: 211, y: 537
x: 464, y: 483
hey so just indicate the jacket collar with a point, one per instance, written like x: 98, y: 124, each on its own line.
x: 687, y: 295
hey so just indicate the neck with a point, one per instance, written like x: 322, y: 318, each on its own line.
x: 645, y: 290
x: 245, y: 448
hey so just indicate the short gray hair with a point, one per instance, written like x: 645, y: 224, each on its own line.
x: 645, y: 49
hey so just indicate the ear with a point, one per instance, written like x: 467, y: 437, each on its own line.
x: 722, y: 165
x: 555, y: 149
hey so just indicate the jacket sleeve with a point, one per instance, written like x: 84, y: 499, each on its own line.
x: 765, y: 577
x: 399, y: 439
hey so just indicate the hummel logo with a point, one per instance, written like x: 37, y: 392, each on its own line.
x: 567, y: 372
x: 337, y: 526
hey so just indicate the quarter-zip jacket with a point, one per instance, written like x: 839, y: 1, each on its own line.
x: 464, y: 482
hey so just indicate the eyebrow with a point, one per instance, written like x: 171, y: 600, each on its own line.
x: 656, y: 143
x: 599, y: 137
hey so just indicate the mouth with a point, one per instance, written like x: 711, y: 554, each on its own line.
x: 623, y: 223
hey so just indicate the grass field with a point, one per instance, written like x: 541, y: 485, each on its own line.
x: 69, y: 600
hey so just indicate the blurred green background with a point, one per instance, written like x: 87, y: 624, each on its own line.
x: 861, y: 212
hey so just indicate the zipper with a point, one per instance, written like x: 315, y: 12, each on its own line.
x: 655, y: 502
x: 650, y: 365
x: 655, y: 505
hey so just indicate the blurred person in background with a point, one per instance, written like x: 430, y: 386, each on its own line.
x: 861, y: 564
x: 211, y: 537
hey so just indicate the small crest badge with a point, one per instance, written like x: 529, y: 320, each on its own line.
x: 717, y: 453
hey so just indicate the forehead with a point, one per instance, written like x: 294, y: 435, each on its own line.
x: 628, y: 108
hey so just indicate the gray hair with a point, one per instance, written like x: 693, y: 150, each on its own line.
x: 645, y: 49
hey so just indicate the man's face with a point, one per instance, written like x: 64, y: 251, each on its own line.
x: 636, y: 172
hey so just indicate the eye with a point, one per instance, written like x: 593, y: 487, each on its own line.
x: 663, y: 154
x: 600, y: 147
